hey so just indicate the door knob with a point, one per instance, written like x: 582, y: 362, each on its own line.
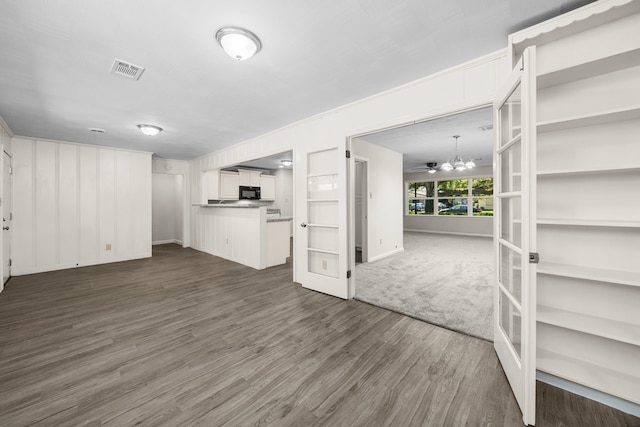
x: 303, y: 225
x: 5, y: 228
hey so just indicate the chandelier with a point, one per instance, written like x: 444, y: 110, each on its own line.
x: 458, y: 164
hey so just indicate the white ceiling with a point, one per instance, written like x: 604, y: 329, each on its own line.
x: 55, y: 57
x: 432, y: 141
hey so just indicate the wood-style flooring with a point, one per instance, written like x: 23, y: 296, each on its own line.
x: 184, y: 339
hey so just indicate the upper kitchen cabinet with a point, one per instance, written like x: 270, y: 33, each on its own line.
x: 210, y: 185
x: 249, y: 178
x: 267, y: 187
x: 229, y: 185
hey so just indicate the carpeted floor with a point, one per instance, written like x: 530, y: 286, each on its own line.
x: 446, y: 280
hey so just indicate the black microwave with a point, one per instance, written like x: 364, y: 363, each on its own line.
x: 249, y: 193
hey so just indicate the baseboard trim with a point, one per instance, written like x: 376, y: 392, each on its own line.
x: 166, y: 242
x: 448, y: 232
x: 589, y: 393
x: 387, y: 254
x: 34, y: 270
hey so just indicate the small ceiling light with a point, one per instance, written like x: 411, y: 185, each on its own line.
x: 150, y: 130
x: 286, y: 163
x: 239, y: 43
x: 446, y: 166
x: 470, y: 164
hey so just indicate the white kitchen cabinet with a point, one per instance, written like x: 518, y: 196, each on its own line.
x: 229, y: 185
x: 267, y: 187
x: 211, y: 185
x: 249, y: 178
x: 587, y: 175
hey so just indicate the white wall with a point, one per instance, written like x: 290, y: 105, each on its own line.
x: 284, y: 194
x: 384, y: 200
x: 167, y: 208
x: 466, y: 86
x: 474, y: 226
x: 72, y: 201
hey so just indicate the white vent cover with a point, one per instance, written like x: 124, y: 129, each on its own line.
x: 126, y: 69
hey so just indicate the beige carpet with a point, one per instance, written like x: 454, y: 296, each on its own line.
x: 442, y: 279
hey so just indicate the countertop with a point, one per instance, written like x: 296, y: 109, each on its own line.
x: 281, y: 219
x: 235, y: 206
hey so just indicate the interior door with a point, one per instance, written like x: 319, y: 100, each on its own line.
x: 515, y: 296
x: 6, y: 218
x: 321, y: 256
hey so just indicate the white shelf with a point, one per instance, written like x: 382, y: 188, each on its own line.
x: 627, y: 113
x: 628, y: 278
x: 322, y: 200
x: 606, y: 328
x: 586, y: 171
x: 589, y: 222
x: 591, y: 375
x: 589, y: 69
x: 315, y: 175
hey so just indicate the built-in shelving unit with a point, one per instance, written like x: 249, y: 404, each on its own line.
x: 587, y: 173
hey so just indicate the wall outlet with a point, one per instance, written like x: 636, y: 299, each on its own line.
x: 324, y: 264
x: 107, y: 246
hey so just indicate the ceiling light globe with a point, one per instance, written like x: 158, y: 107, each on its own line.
x: 446, y: 166
x: 150, y: 130
x: 239, y: 43
x: 470, y: 164
x: 431, y: 170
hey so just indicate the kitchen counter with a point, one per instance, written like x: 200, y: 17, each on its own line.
x: 281, y: 219
x: 249, y: 234
x: 235, y: 206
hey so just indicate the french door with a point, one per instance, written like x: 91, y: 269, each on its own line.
x: 321, y: 256
x: 514, y: 222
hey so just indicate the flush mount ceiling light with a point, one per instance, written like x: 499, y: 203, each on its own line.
x: 150, y: 130
x: 286, y: 163
x: 458, y: 164
x: 239, y: 43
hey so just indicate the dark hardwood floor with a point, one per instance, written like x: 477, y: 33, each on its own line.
x: 185, y: 339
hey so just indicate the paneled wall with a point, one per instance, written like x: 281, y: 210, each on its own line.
x: 77, y: 205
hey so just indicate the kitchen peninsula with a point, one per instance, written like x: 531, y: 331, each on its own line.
x: 245, y: 234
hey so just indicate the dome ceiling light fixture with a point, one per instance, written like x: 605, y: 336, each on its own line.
x: 458, y: 164
x: 150, y: 130
x: 286, y: 163
x: 239, y: 43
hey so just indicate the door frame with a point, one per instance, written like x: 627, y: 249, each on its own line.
x: 351, y: 221
x: 4, y: 198
x: 365, y: 205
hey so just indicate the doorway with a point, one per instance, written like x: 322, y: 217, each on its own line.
x: 6, y: 218
x: 167, y: 209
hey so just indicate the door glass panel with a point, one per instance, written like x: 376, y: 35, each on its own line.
x: 511, y: 224
x: 325, y: 212
x: 511, y: 322
x: 511, y: 168
x: 322, y: 187
x: 323, y: 238
x: 510, y: 274
x: 323, y: 263
x: 510, y: 116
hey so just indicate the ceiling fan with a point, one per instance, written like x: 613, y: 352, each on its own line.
x: 429, y: 167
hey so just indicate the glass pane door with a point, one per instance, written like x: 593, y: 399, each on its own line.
x: 514, y: 315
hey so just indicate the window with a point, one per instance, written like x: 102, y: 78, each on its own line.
x: 464, y: 197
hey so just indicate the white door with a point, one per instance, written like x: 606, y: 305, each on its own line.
x: 515, y: 297
x: 321, y: 256
x: 6, y: 218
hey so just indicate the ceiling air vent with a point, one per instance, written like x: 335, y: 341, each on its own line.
x: 126, y: 69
